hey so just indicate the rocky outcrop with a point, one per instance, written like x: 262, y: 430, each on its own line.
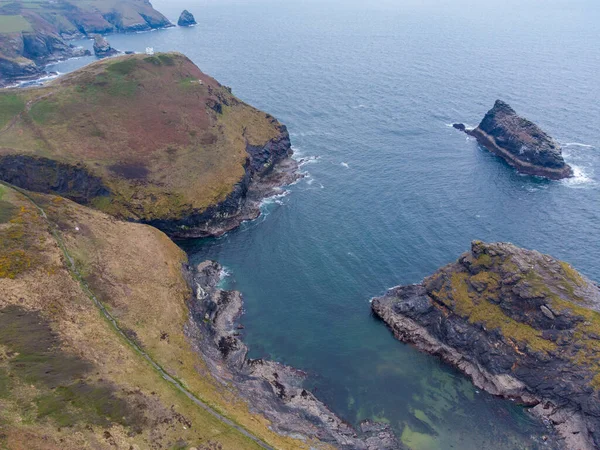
x: 520, y: 324
x: 48, y: 176
x: 102, y: 47
x: 267, y: 168
x: 186, y: 19
x: 521, y: 143
x: 272, y: 389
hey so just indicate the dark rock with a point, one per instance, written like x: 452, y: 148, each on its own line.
x: 102, y: 47
x: 24, y: 54
x: 186, y: 19
x: 267, y: 168
x: 530, y: 339
x: 273, y: 389
x: 459, y: 126
x: 49, y: 176
x: 521, y: 143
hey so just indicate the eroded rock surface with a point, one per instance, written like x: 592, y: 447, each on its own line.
x: 186, y: 19
x: 520, y: 324
x: 520, y: 142
x: 102, y: 47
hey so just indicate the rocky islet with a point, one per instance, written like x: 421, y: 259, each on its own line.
x: 522, y: 325
x: 520, y: 142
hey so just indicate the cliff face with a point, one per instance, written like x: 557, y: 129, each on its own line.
x: 36, y: 33
x: 521, y: 324
x: 520, y: 142
x: 149, y: 139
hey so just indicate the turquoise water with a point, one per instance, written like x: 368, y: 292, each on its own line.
x: 392, y: 192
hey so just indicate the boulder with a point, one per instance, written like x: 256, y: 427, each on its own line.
x: 102, y: 47
x: 186, y: 19
x: 520, y: 142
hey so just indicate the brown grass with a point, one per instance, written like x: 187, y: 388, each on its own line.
x: 148, y: 113
x: 136, y: 271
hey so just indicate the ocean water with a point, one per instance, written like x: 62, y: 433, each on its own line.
x: 392, y: 192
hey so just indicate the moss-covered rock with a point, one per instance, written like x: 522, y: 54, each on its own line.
x: 522, y: 324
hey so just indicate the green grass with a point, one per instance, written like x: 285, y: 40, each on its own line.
x: 124, y: 67
x: 43, y: 110
x: 66, y: 397
x: 10, y: 106
x: 7, y: 210
x: 14, y: 24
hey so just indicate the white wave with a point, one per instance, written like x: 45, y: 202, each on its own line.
x: 310, y: 180
x: 309, y: 160
x: 274, y: 199
x: 577, y: 144
x: 225, y: 272
x: 582, y: 177
x: 346, y: 165
x: 37, y: 81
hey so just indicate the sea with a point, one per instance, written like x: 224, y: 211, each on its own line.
x: 368, y: 91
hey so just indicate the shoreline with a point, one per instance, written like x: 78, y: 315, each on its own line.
x: 36, y: 79
x: 244, y: 202
x: 272, y: 389
x: 524, y: 167
x: 567, y: 424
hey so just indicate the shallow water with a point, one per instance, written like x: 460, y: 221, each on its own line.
x: 393, y: 192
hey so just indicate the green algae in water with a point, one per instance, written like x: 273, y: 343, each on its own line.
x: 419, y: 441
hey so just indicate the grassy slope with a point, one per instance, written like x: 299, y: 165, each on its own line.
x: 67, y: 380
x: 14, y: 24
x: 58, y: 14
x: 144, y: 126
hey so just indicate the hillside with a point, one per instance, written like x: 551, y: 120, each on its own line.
x: 33, y: 32
x: 144, y: 138
x: 68, y: 379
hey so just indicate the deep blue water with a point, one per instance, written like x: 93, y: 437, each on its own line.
x: 392, y: 192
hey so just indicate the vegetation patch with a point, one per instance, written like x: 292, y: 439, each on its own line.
x: 35, y: 357
x: 478, y: 308
x: 19, y: 250
x: 43, y: 110
x: 124, y: 67
x: 7, y: 211
x: 14, y: 24
x: 10, y: 106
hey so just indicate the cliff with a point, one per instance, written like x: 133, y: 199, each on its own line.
x: 145, y: 138
x: 69, y: 379
x: 34, y: 33
x: 520, y: 324
x: 521, y: 143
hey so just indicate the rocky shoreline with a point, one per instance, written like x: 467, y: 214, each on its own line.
x: 24, y: 54
x: 267, y: 170
x: 520, y: 324
x: 272, y: 389
x: 521, y: 143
